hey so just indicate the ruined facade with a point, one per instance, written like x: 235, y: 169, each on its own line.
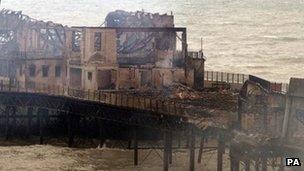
x: 140, y: 50
x: 35, y: 51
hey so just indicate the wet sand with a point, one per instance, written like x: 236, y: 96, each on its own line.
x: 47, y: 157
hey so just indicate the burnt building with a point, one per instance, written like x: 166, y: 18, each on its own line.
x: 134, y: 51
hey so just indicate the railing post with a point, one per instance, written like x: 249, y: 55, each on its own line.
x: 238, y: 78
x: 212, y: 76
x: 207, y: 77
x: 243, y: 78
x: 1, y: 85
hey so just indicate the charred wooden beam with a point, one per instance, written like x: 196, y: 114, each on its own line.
x: 135, y: 137
x: 200, y: 153
x: 29, y: 121
x: 192, y: 150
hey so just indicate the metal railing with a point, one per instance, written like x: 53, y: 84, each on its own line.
x: 234, y: 78
x: 115, y: 98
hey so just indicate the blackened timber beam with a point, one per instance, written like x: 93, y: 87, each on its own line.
x: 264, y: 164
x: 220, y: 152
x: 257, y: 165
x: 135, y: 136
x: 42, y: 114
x: 240, y: 112
x: 170, y: 146
x: 29, y: 121
x: 102, y: 136
x: 14, y: 124
x: 200, y: 152
x: 140, y: 29
x: 234, y: 162
x: 247, y: 164
x: 7, y: 122
x: 192, y: 150
x: 166, y: 151
x: 71, y: 130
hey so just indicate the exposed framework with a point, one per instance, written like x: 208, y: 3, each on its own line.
x: 40, y: 38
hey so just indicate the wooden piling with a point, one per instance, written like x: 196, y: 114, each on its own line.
x: 101, y: 132
x: 170, y: 147
x: 257, y: 165
x: 71, y: 130
x: 14, y: 123
x: 7, y: 120
x: 264, y: 164
x: 135, y: 137
x: 247, y: 164
x: 234, y: 162
x: 166, y: 151
x: 192, y: 150
x: 200, y: 153
x: 41, y: 115
x: 29, y: 121
x: 220, y: 152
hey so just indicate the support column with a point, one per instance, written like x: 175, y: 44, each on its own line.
x: 220, y: 152
x: 240, y: 110
x: 264, y: 164
x: 200, y: 153
x: 247, y: 165
x: 14, y: 123
x: 71, y: 130
x: 41, y: 114
x: 166, y: 151
x: 29, y: 121
x: 192, y: 150
x: 7, y: 120
x: 170, y: 147
x: 102, y: 135
x: 135, y: 147
x: 257, y: 165
x: 234, y: 162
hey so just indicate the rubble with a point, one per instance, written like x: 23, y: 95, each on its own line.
x: 223, y: 100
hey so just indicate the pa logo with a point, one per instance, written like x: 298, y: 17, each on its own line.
x: 293, y: 162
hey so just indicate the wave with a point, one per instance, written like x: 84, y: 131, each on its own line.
x: 283, y: 38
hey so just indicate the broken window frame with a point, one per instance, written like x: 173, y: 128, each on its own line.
x: 20, y: 70
x: 76, y: 41
x: 97, y: 41
x: 32, y: 70
x: 45, y: 70
x: 90, y: 76
x: 6, y: 36
x: 57, y: 71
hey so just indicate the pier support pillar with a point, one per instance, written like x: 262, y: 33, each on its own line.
x: 201, y: 149
x: 29, y: 121
x: 14, y: 123
x: 102, y: 135
x: 264, y: 164
x: 170, y: 147
x: 234, y: 162
x: 71, y: 129
x: 135, y: 136
x: 7, y: 122
x: 247, y: 165
x: 220, y: 152
x: 166, y: 150
x: 41, y: 117
x: 192, y: 150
